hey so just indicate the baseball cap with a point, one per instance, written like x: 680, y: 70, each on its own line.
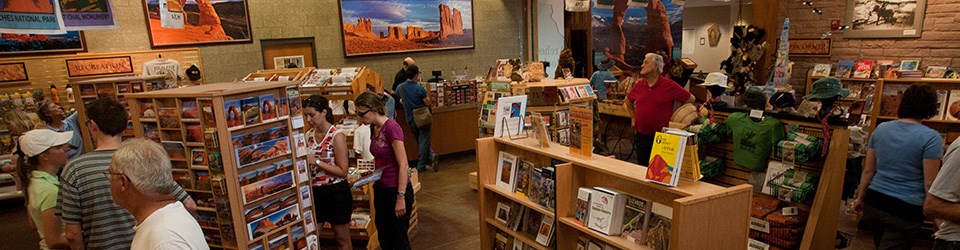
x: 413, y: 69
x: 193, y: 73
x: 34, y: 142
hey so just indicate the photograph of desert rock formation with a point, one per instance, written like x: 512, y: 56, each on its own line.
x: 625, y: 30
x: 385, y: 26
x: 206, y: 21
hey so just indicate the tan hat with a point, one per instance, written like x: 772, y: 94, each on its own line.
x: 34, y: 142
x: 684, y: 116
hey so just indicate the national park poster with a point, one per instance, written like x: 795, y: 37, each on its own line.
x: 394, y: 26
x: 626, y: 30
x: 197, y: 22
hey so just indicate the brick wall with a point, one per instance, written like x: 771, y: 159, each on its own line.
x: 939, y: 44
x: 497, y: 29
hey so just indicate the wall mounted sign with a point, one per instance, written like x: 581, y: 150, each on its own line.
x: 13, y: 72
x: 884, y: 19
x: 99, y: 66
x: 810, y: 47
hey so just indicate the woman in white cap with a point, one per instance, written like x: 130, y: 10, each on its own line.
x: 42, y: 152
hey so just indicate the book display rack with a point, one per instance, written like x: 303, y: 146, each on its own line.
x: 340, y: 83
x: 231, y: 148
x: 698, y: 215
x: 117, y: 88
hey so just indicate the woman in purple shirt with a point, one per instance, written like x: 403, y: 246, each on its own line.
x: 393, y: 191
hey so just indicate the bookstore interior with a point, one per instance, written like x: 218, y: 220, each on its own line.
x: 558, y: 124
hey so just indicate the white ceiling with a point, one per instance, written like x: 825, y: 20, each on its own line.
x: 702, y: 3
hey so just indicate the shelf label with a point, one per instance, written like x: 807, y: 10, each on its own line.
x: 789, y: 211
x: 759, y: 225
x: 757, y: 245
x: 909, y: 32
x: 756, y: 113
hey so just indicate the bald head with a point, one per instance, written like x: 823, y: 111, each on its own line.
x: 408, y: 61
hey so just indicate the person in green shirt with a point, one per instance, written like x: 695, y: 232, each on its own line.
x: 42, y: 152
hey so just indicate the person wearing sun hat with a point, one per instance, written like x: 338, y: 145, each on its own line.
x: 598, y: 78
x: 42, y: 152
x: 826, y: 88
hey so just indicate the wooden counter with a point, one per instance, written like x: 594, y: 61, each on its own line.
x: 454, y: 130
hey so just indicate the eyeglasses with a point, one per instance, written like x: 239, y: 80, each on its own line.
x: 108, y: 174
x: 361, y: 114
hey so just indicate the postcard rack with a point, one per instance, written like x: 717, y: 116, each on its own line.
x: 705, y: 216
x: 365, y: 76
x: 234, y: 149
x: 117, y: 88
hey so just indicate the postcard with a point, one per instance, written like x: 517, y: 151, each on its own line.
x: 305, y: 196
x: 206, y: 112
x: 87, y: 90
x: 308, y: 221
x: 169, y: 118
x: 283, y: 106
x: 199, y: 156
x: 234, y: 117
x: 278, y: 243
x: 150, y: 131
x: 267, y: 187
x: 267, y: 107
x: 175, y: 149
x: 194, y: 133
x: 301, y: 144
x: 123, y: 88
x: 148, y: 110
x: 257, y: 175
x: 302, y: 173
x: 251, y: 110
x: 190, y: 110
x: 262, y: 151
x: 273, y: 221
x: 298, y: 237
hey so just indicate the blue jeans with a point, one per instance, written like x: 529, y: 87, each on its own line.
x: 426, y: 153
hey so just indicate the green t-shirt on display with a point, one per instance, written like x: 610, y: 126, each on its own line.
x: 753, y: 141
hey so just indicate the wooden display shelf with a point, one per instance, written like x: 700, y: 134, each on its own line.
x: 364, y: 77
x: 516, y: 198
x: 198, y: 191
x: 617, y: 241
x: 206, y: 209
x: 516, y: 235
x: 109, y: 87
x: 705, y: 216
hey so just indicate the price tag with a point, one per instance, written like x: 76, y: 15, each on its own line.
x: 756, y: 113
x: 909, y: 32
x: 759, y: 225
x: 788, y: 211
x: 757, y: 245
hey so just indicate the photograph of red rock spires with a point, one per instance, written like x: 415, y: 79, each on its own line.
x: 390, y: 26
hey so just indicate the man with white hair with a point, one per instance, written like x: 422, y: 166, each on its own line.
x: 402, y: 74
x: 140, y: 182
x: 653, y: 97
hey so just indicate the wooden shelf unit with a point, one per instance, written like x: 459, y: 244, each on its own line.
x: 223, y: 169
x: 116, y: 88
x: 350, y: 92
x: 705, y: 216
x: 821, y: 227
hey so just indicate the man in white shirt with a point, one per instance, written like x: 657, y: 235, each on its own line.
x: 943, y: 201
x: 140, y: 182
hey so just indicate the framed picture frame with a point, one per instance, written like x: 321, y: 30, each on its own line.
x: 99, y: 66
x: 33, y: 44
x: 870, y: 19
x: 13, y: 72
x: 810, y: 46
x: 170, y: 25
x: 366, y: 31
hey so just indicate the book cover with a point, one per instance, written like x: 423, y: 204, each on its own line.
x: 844, y: 68
x: 666, y: 158
x: 909, y: 65
x: 194, y: 133
x: 515, y: 216
x: 531, y: 222
x: 581, y: 131
x: 952, y: 73
x: 548, y: 197
x: 582, y: 211
x: 886, y: 68
x: 234, y: 116
x: 942, y: 96
x: 189, y: 108
x: 863, y: 69
x: 596, y: 245
x: 506, y: 171
x: 536, y: 178
x: 503, y: 212
x: 206, y: 112
x: 150, y: 131
x: 523, y: 178
x: 582, y: 242
x: 582, y: 91
x: 890, y: 102
x: 658, y: 234
x: 268, y: 108
x: 545, y: 232
x: 148, y: 110
x: 169, y: 118
x: 517, y: 245
x: 563, y: 136
x: 936, y: 71
x: 953, y: 106
x: 821, y: 70
x: 635, y: 215
x: 500, y: 241
x: 606, y: 214
x: 250, y: 108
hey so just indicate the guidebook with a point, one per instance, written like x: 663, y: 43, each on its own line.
x: 666, y: 158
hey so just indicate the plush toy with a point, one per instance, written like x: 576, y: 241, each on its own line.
x: 566, y: 62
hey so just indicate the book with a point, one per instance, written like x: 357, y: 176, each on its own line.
x: 250, y: 108
x: 548, y: 195
x: 821, y: 70
x: 523, y: 178
x: 517, y: 245
x: 906, y: 65
x: 635, y: 215
x: 581, y: 131
x: 863, y: 69
x: 844, y: 68
x: 596, y: 245
x: 953, y: 106
x: 666, y: 158
x: 515, y: 217
x: 582, y: 242
x: 507, y: 171
x: 942, y: 96
x: 890, y: 101
x: 886, y: 68
x: 367, y: 179
x: 198, y: 156
x: 582, y: 211
x: 952, y: 73
x: 936, y: 71
x: 531, y: 222
x: 503, y: 212
x: 194, y: 133
x: 500, y: 241
x: 189, y: 108
x: 658, y: 229
x: 536, y: 177
x: 545, y: 232
x: 606, y: 211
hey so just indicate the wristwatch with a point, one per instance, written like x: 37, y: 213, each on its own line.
x: 401, y: 193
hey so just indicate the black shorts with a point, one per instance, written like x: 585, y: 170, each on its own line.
x: 333, y: 203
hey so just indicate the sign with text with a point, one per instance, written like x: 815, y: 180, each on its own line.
x: 99, y: 66
x: 810, y: 47
x: 33, y: 17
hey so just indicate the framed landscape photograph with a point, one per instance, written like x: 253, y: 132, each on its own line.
x: 885, y: 18
x: 24, y: 44
x: 395, y: 26
x: 13, y: 72
x: 197, y: 22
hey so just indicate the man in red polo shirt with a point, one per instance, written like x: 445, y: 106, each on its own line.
x: 653, y: 97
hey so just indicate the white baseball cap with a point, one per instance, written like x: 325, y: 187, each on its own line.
x: 715, y: 79
x: 34, y: 142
